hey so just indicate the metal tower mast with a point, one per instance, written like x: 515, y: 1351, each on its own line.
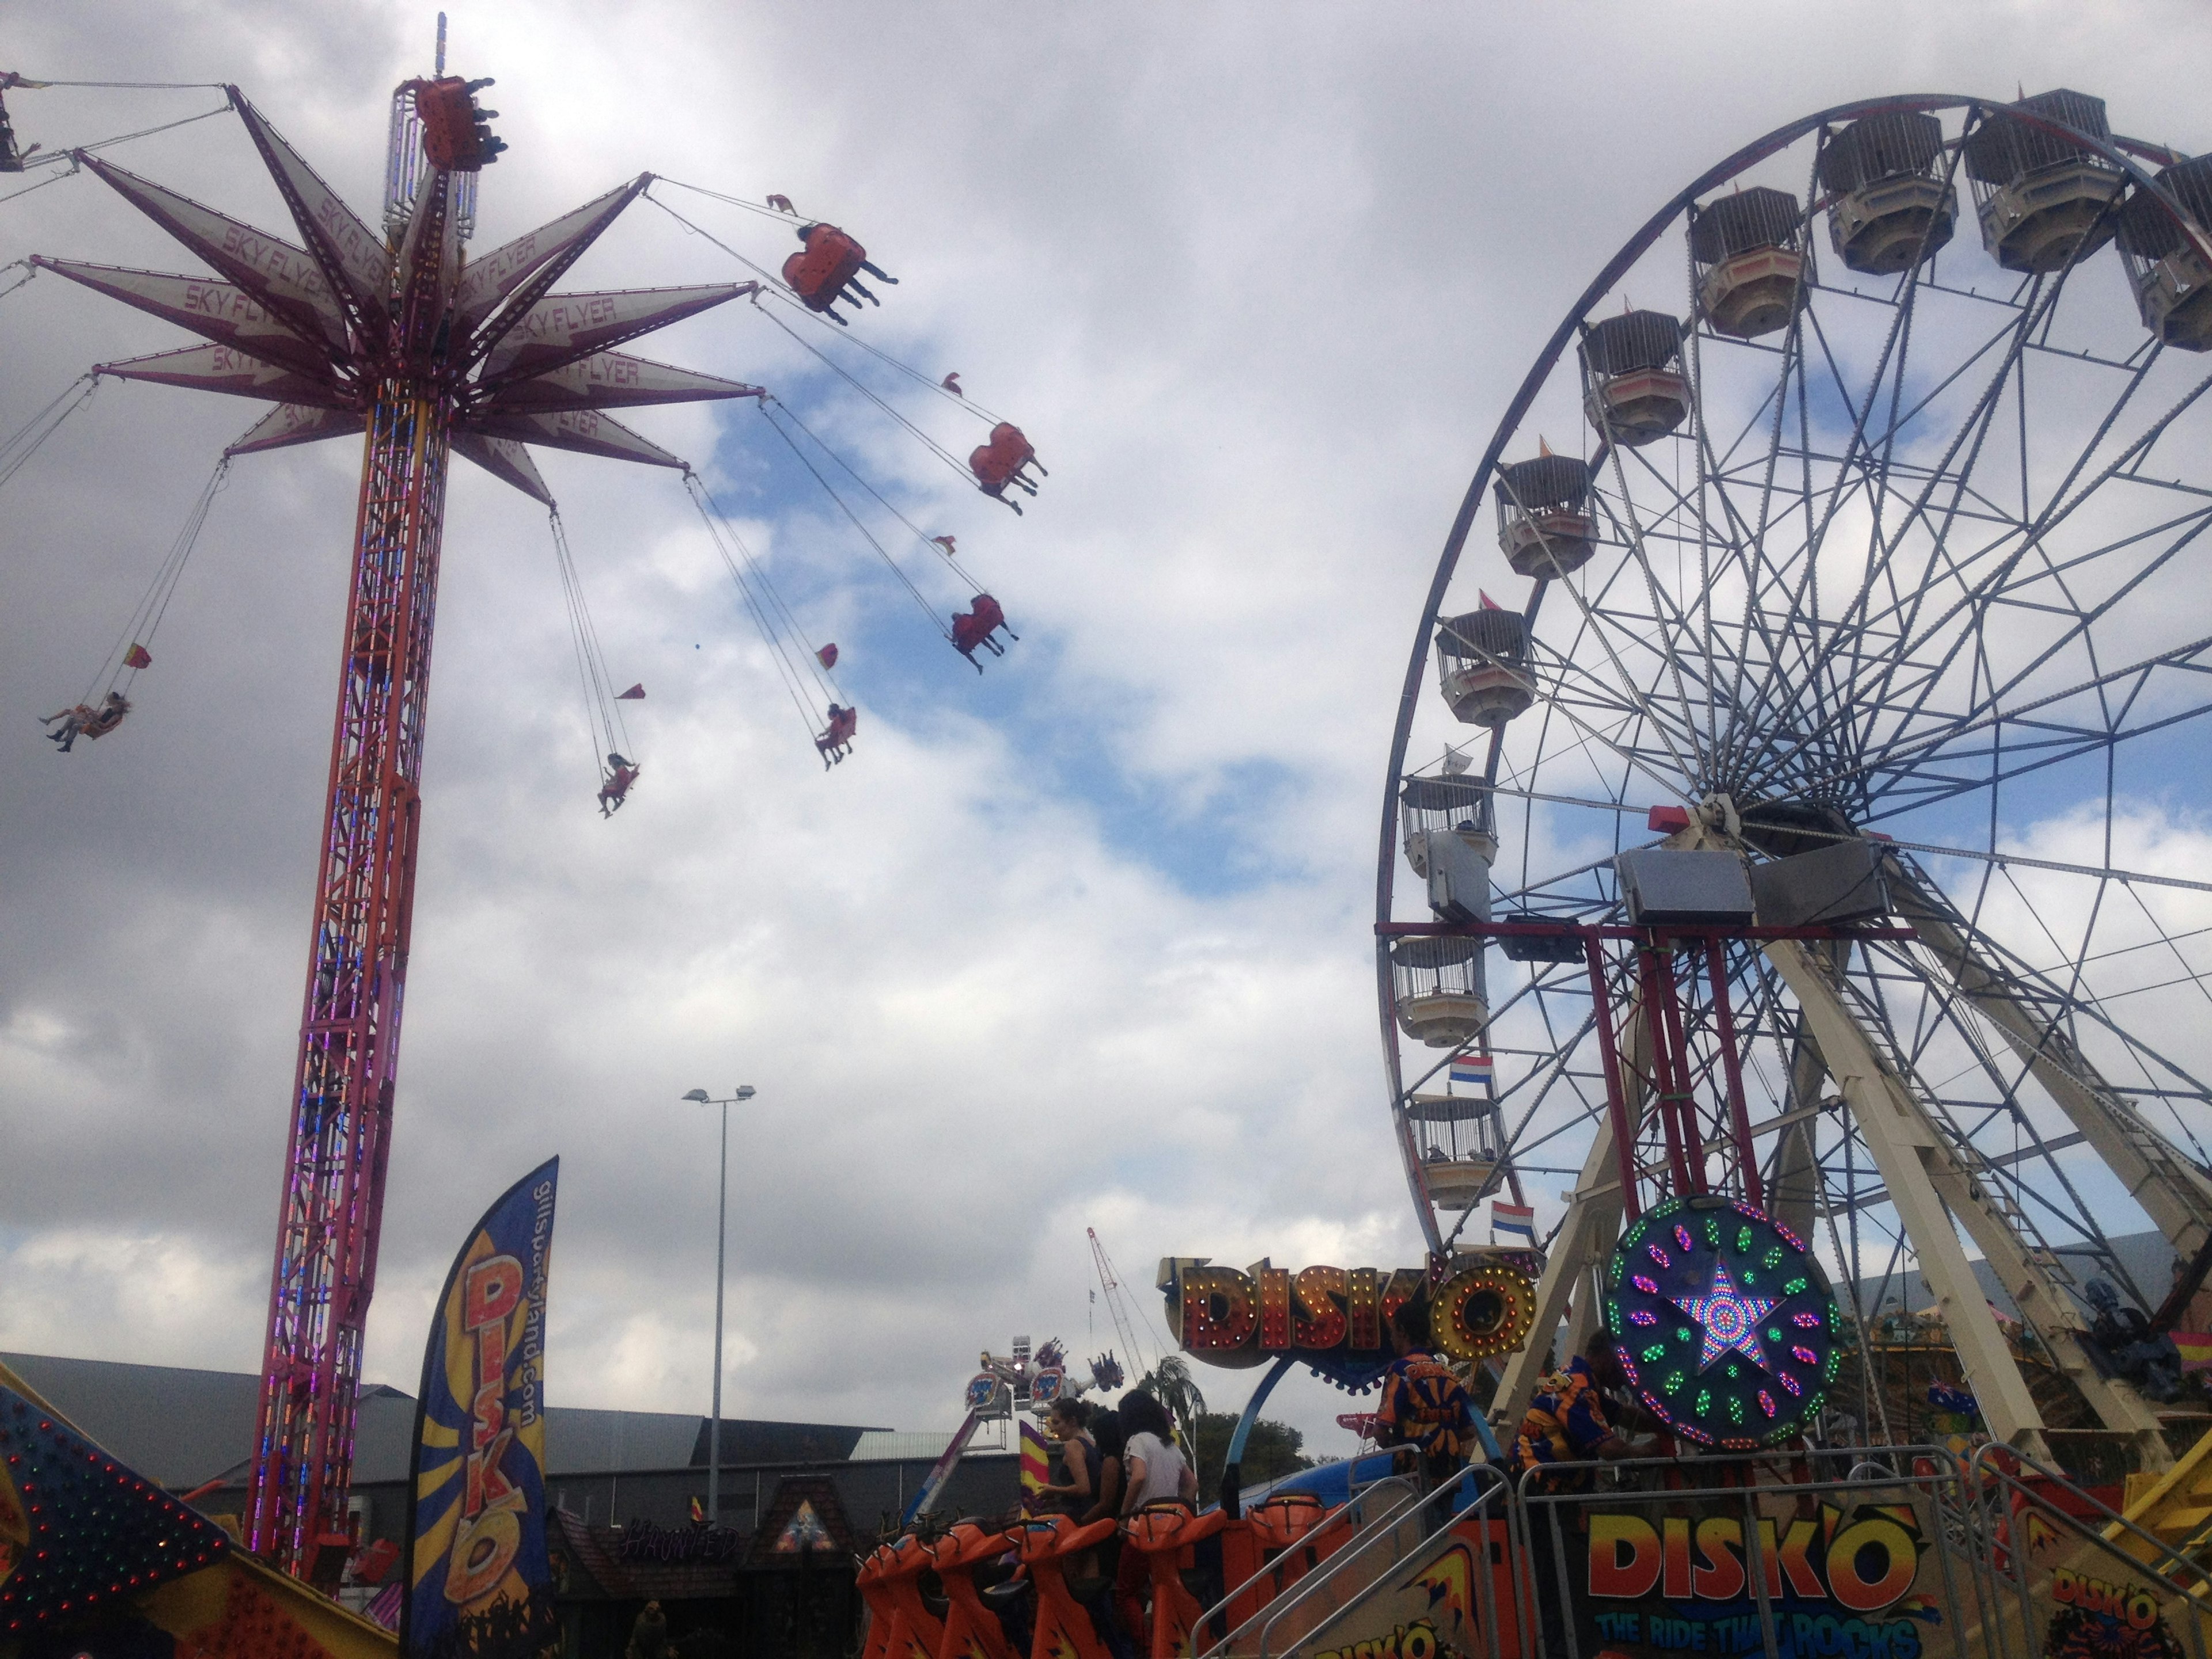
x: 398, y: 336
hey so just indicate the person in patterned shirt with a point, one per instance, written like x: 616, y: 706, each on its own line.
x: 1569, y: 1419
x: 1424, y: 1405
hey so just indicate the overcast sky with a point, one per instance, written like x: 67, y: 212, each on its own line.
x: 1079, y: 943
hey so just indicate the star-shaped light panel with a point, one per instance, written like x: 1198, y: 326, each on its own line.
x: 1726, y: 1325
x: 1729, y: 1318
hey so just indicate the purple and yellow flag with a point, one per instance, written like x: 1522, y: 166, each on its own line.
x: 477, y: 1579
x: 1036, y: 1465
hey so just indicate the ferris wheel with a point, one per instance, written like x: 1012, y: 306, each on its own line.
x: 1850, y: 525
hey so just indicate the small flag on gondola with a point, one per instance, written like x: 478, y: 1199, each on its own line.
x: 827, y: 656
x: 1516, y: 1221
x: 1473, y: 1068
x: 1485, y: 602
x: 137, y: 657
x: 698, y: 1512
x: 635, y: 694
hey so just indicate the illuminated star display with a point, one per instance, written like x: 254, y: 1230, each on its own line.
x: 1698, y: 1286
x: 1729, y: 1318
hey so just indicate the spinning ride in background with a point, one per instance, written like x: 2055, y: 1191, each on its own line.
x: 398, y: 336
x: 1865, y: 605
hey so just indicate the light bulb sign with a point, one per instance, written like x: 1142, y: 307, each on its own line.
x: 1726, y: 1325
x: 1337, y: 1320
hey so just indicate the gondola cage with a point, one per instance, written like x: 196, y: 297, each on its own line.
x: 1891, y: 208
x: 1458, y: 1137
x: 1482, y: 666
x: 1632, y: 373
x: 2044, y: 200
x: 1541, y: 525
x: 2172, y: 283
x: 1437, y: 981
x: 1429, y: 807
x: 1749, y: 251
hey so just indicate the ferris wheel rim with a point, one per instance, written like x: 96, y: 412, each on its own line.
x: 2123, y: 154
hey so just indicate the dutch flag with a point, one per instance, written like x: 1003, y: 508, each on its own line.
x: 1516, y: 1221
x: 1473, y: 1068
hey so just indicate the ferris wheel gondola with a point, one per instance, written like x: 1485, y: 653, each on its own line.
x: 1886, y: 546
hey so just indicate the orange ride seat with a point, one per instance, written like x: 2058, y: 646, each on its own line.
x: 819, y: 272
x: 1047, y: 1544
x: 910, y: 1630
x: 995, y: 462
x: 1166, y: 1534
x: 972, y: 1631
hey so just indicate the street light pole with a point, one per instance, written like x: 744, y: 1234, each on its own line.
x: 721, y: 1235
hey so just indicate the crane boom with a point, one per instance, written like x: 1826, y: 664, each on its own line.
x: 1117, y: 1303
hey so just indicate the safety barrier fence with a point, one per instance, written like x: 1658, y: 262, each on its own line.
x: 1896, y: 1553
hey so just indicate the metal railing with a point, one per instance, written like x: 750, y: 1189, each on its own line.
x: 1906, y: 1552
x: 1379, y: 1513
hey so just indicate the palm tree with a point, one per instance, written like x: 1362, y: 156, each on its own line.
x: 1171, y: 1384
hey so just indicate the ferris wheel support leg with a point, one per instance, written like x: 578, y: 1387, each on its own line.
x: 1795, y: 1189
x: 1933, y: 1195
x: 1593, y: 1222
x: 1585, y: 1237
x: 2173, y: 1192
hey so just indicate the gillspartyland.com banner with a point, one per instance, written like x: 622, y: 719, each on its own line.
x: 477, y: 1579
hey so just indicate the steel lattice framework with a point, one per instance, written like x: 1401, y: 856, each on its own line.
x: 1918, y: 563
x: 399, y: 336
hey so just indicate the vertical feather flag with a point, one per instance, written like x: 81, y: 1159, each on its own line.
x: 477, y: 1578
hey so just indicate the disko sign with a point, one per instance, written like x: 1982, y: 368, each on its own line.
x: 1856, y: 1582
x: 1338, y: 1319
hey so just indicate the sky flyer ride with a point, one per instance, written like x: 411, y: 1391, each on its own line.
x: 391, y: 332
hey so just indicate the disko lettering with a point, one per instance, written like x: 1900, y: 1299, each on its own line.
x: 1233, y: 1318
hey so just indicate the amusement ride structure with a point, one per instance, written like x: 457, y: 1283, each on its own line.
x: 394, y: 332
x: 1857, y: 508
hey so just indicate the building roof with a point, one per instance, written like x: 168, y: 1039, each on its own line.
x: 174, y: 1426
x: 182, y: 1428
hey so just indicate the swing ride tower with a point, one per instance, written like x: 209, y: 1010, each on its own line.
x: 398, y: 336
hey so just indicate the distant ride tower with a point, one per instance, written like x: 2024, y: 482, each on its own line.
x: 397, y: 335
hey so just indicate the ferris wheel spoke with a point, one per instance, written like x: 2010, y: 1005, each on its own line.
x: 1979, y: 597
x: 1667, y: 618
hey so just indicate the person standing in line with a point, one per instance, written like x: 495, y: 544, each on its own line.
x: 1153, y: 1472
x: 1570, y: 1423
x: 1425, y: 1405
x: 1071, y: 1481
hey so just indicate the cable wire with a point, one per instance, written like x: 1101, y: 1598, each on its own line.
x: 116, y: 672
x: 74, y: 150
x: 929, y: 543
x: 763, y: 605
x: 882, y: 552
x: 782, y: 290
x: 13, y: 81
x: 609, y: 733
x: 944, y: 454
x: 28, y: 438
